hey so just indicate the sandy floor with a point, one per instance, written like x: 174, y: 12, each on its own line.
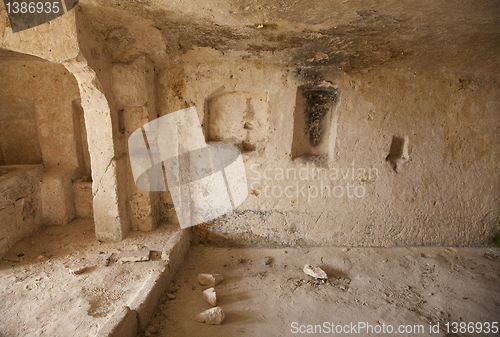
x: 399, y: 286
x: 413, y: 287
x: 40, y: 296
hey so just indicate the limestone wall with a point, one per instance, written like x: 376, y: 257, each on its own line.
x: 18, y: 130
x: 81, y: 53
x: 366, y: 130
x: 444, y: 190
x: 48, y: 130
x: 20, y: 203
x: 45, y: 92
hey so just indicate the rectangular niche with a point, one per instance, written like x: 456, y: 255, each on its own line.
x: 239, y: 118
x: 315, y: 122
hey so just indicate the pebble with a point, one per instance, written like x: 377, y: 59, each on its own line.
x: 134, y: 256
x: 210, y: 296
x: 78, y: 270
x: 210, y: 280
x: 170, y: 296
x: 211, y: 316
x: 315, y: 272
x: 268, y: 261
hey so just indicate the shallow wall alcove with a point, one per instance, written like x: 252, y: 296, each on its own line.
x: 43, y: 147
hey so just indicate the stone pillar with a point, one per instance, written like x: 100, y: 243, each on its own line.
x: 133, y: 87
x: 110, y: 215
x: 57, y: 196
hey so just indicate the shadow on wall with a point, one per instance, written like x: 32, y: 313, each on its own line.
x: 19, y: 143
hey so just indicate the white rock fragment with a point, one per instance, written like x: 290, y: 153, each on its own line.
x: 134, y: 256
x: 78, y: 270
x: 165, y: 255
x: 210, y: 280
x: 211, y: 316
x: 315, y: 272
x: 210, y: 296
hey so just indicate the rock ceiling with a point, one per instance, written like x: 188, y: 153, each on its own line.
x: 351, y: 35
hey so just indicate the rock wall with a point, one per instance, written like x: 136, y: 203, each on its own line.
x: 18, y: 130
x: 371, y: 127
x: 442, y: 192
x: 20, y: 203
x: 49, y: 90
x: 47, y: 131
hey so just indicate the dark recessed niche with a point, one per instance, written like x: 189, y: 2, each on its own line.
x: 398, y: 154
x: 315, y: 122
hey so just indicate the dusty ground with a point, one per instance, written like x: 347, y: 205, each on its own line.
x: 40, y: 296
x: 397, y: 286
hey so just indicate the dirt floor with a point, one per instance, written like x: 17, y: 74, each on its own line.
x: 411, y: 287
x: 264, y: 293
x: 62, y: 282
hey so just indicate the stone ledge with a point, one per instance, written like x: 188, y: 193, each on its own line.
x: 129, y: 320
x: 123, y: 323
